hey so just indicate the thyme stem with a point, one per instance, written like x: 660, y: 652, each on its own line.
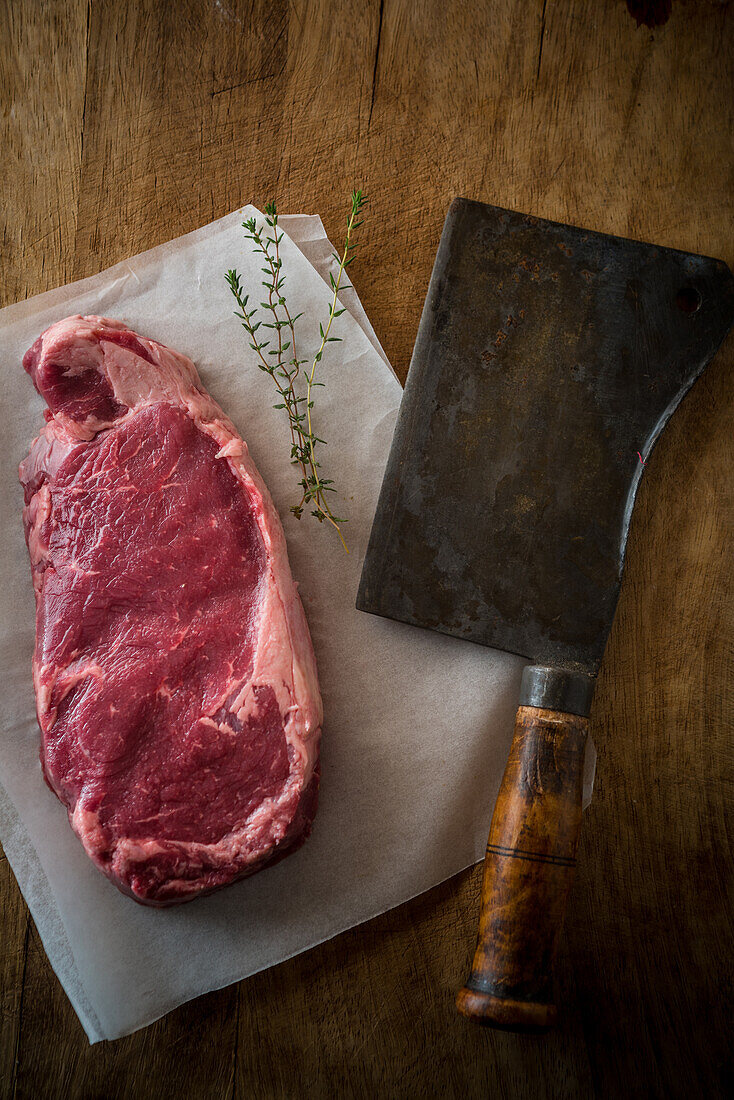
x: 358, y: 202
x: 286, y: 370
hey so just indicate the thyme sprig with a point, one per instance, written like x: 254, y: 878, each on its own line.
x: 294, y: 378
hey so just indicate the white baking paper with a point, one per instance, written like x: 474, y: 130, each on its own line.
x: 417, y: 726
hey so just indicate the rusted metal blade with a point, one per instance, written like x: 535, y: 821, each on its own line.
x: 548, y: 360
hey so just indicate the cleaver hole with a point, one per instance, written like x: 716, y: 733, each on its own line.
x: 688, y: 299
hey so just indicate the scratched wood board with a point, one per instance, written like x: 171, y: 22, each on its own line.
x: 126, y: 124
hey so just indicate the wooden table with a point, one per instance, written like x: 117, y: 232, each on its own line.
x: 126, y: 124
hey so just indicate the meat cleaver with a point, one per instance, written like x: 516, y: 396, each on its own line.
x: 548, y: 359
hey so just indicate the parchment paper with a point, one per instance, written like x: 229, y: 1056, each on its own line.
x: 417, y: 726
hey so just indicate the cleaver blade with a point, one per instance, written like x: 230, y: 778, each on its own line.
x: 547, y: 362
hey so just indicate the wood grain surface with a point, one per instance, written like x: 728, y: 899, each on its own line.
x: 127, y: 123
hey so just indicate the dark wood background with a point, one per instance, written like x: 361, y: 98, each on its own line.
x: 126, y: 124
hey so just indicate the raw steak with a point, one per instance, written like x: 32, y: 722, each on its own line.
x: 175, y: 680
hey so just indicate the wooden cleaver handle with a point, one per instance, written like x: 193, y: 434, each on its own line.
x: 528, y: 871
